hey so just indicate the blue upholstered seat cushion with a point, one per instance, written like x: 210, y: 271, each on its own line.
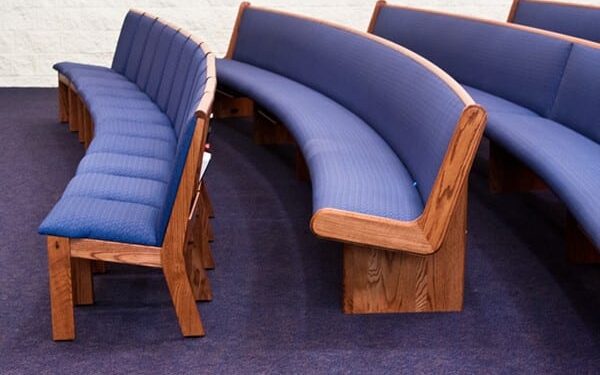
x: 133, y: 145
x: 352, y: 168
x: 72, y: 69
x: 575, y: 20
x: 496, y: 104
x: 565, y: 159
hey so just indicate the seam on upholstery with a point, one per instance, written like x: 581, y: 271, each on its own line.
x: 137, y: 26
x: 143, y: 89
x: 146, y: 37
x: 187, y: 72
x: 176, y: 66
x: 562, y: 78
x: 112, y: 200
x: 162, y: 73
x: 128, y: 154
x: 123, y: 175
x: 114, y: 133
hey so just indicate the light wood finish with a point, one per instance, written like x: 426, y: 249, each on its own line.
x: 148, y: 256
x: 63, y: 101
x: 61, y: 295
x: 507, y: 174
x: 269, y: 131
x: 82, y: 281
x: 550, y: 34
x: 513, y: 11
x: 234, y: 34
x: 196, y: 238
x: 380, y: 281
x: 229, y: 106
x: 425, y: 234
x: 580, y: 249
x: 378, y: 5
x: 171, y: 256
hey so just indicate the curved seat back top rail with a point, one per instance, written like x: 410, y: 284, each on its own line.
x: 578, y: 20
x: 388, y: 139
x: 541, y: 90
x: 427, y: 119
x: 133, y: 195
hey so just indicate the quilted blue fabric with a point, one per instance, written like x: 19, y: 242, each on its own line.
x: 362, y: 76
x: 568, y: 161
x: 578, y: 21
x: 577, y: 102
x: 351, y: 166
x: 126, y: 184
x: 542, y: 95
x: 519, y: 66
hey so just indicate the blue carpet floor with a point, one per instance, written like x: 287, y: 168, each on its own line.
x: 277, y: 289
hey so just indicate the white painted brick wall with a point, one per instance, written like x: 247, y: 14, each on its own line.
x: 34, y: 34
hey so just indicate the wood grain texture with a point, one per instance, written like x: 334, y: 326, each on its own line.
x: 63, y: 101
x: 380, y: 281
x: 236, y: 27
x: 515, y: 26
x: 228, y: 106
x: 580, y: 249
x: 194, y: 260
x: 116, y: 252
x: 61, y: 295
x: 507, y: 174
x: 425, y: 234
x: 82, y: 281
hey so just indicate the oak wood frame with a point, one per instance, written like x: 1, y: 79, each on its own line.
x: 436, y: 236
x: 69, y: 258
x: 501, y: 163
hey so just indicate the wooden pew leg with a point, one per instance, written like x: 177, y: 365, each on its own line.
x: 63, y: 102
x: 206, y: 199
x: 175, y: 271
x: 230, y: 106
x: 580, y: 249
x: 203, y: 230
x: 380, y: 281
x: 82, y: 281
x: 507, y: 174
x: 73, y: 107
x: 269, y: 131
x: 197, y: 274
x: 61, y: 296
x: 80, y: 120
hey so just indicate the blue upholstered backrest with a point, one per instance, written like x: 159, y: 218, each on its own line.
x: 128, y: 30
x: 576, y: 20
x: 171, y: 68
x: 520, y: 66
x: 578, y: 101
x: 409, y: 106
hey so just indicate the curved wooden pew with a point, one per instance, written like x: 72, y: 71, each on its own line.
x: 135, y: 196
x: 388, y: 140
x: 542, y: 94
x: 578, y: 20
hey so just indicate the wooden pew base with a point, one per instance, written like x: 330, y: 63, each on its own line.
x: 227, y: 105
x: 63, y: 100
x: 381, y: 281
x: 580, y: 249
x: 508, y: 174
